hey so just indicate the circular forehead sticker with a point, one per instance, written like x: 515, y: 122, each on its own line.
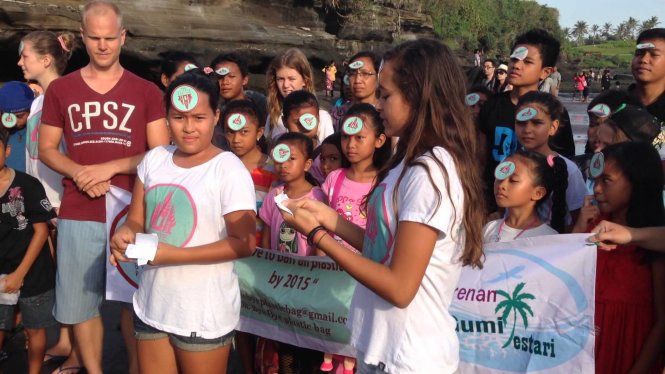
x: 308, y: 121
x: 526, y: 114
x: 355, y: 65
x: 504, y: 170
x: 236, y: 121
x: 9, y: 120
x: 645, y: 46
x: 223, y: 71
x: 20, y: 47
x: 600, y: 110
x: 520, y: 53
x: 472, y: 99
x: 184, y: 98
x: 189, y: 67
x: 352, y: 125
x: 281, y: 153
x: 597, y: 165
x: 346, y: 79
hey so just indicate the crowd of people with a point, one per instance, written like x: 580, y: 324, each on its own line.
x: 388, y: 185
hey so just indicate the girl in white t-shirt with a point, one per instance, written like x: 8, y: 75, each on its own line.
x: 523, y: 181
x: 424, y: 218
x: 199, y: 201
x: 537, y: 120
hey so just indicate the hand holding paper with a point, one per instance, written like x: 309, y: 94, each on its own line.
x: 279, y: 200
x: 144, y: 248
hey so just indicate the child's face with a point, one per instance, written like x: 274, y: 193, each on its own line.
x: 243, y: 141
x: 293, y: 122
x: 363, y: 80
x: 331, y: 158
x: 392, y: 105
x: 30, y: 62
x: 648, y: 65
x: 530, y: 70
x: 612, y: 190
x: 231, y: 85
x: 294, y: 168
x: 192, y: 131
x: 21, y: 119
x: 534, y: 133
x: 361, y: 146
x: 289, y: 80
x: 518, y: 190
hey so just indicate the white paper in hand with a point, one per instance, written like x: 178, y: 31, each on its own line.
x: 279, y: 200
x: 7, y: 298
x: 143, y: 249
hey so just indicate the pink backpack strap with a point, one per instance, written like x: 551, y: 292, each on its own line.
x: 334, y: 194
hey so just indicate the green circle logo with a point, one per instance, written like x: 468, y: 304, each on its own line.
x: 281, y: 153
x: 170, y: 213
x: 352, y: 125
x: 184, y: 98
x: 9, y: 120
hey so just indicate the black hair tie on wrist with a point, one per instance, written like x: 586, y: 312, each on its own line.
x: 310, y: 236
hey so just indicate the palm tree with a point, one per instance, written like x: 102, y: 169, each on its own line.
x: 516, y: 305
x: 649, y: 24
x: 594, y: 32
x: 580, y: 30
x: 566, y: 32
x: 631, y: 26
x: 607, y: 28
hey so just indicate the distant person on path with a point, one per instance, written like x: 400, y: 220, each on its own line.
x: 606, y: 80
x: 556, y: 82
x: 477, y: 55
x: 588, y: 78
x: 108, y: 118
x: 546, y: 85
x: 648, y: 68
x: 330, y: 71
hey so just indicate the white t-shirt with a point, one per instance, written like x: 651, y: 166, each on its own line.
x: 186, y: 208
x: 491, y: 232
x: 574, y: 194
x: 51, y: 180
x: 420, y: 338
x: 325, y: 127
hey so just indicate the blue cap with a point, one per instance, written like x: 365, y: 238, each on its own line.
x: 15, y: 97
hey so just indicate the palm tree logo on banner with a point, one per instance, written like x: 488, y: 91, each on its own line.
x: 515, y: 304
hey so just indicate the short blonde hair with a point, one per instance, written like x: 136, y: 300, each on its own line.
x: 101, y: 7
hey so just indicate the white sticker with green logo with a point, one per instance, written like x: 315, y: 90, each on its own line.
x: 9, y: 120
x: 184, y: 98
x: 236, y: 121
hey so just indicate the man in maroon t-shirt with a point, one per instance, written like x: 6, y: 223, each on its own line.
x: 108, y: 118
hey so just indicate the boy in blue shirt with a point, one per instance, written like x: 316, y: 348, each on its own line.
x: 15, y: 101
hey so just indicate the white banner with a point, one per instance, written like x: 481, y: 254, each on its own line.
x: 530, y: 309
x: 121, y: 281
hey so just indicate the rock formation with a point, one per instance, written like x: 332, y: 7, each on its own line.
x: 323, y: 29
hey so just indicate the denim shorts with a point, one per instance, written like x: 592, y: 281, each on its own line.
x: 80, y: 279
x: 143, y: 331
x: 36, y: 312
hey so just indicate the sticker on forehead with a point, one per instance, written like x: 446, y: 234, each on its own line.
x: 9, y: 120
x: 526, y: 114
x: 600, y: 110
x: 520, y: 53
x: 223, y: 71
x: 472, y: 99
x: 184, y: 98
x: 597, y: 165
x: 189, y: 67
x: 645, y: 46
x: 352, y: 125
x: 236, y: 121
x: 504, y: 170
x: 346, y: 80
x: 308, y: 121
x: 281, y: 153
x: 20, y: 47
x: 355, y: 65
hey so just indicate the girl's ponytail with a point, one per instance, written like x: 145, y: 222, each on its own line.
x: 559, y: 187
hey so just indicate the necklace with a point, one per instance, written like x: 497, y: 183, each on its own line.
x: 531, y: 225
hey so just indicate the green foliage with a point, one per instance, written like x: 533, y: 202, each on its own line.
x: 489, y: 24
x: 610, y: 54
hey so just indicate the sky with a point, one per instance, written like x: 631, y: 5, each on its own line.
x: 601, y: 11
